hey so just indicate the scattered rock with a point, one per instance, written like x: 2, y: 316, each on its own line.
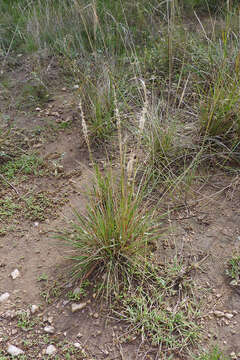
x: 34, y: 309
x: 14, y: 351
x: 228, y: 316
x: 14, y: 331
x: 219, y: 314
x: 50, y: 319
x: 77, y: 345
x: 233, y: 355
x: 4, y: 297
x: 49, y: 329
x: 15, y: 273
x: 50, y: 350
x: 76, y: 307
x: 96, y: 315
x: 10, y: 314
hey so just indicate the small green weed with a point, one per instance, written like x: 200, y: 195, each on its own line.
x: 8, y: 207
x: 24, y: 321
x: 214, y: 354
x: 42, y: 277
x: 25, y: 165
x: 38, y: 206
x: 79, y: 292
x: 152, y: 309
x: 233, y: 268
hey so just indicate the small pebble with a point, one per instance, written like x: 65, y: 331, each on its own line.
x: 49, y: 329
x: 228, y: 316
x: 14, y: 351
x: 219, y: 313
x: 15, y: 273
x: 4, y: 297
x: 76, y: 307
x: 50, y: 350
x: 50, y: 319
x: 34, y: 309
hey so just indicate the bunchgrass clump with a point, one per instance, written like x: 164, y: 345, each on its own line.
x: 114, y: 234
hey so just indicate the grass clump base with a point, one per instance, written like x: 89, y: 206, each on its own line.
x: 113, y: 237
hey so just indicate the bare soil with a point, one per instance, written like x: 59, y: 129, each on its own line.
x: 206, y: 229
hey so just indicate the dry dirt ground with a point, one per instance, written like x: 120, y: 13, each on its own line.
x: 206, y: 230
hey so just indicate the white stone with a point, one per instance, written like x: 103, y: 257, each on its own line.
x: 50, y: 350
x: 233, y: 355
x: 4, y: 297
x: 15, y: 273
x: 49, y: 329
x: 14, y: 351
x: 228, y: 316
x: 34, y: 308
x: 219, y: 313
x: 77, y: 345
x: 76, y: 307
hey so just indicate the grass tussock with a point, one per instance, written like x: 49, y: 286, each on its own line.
x: 115, y: 233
